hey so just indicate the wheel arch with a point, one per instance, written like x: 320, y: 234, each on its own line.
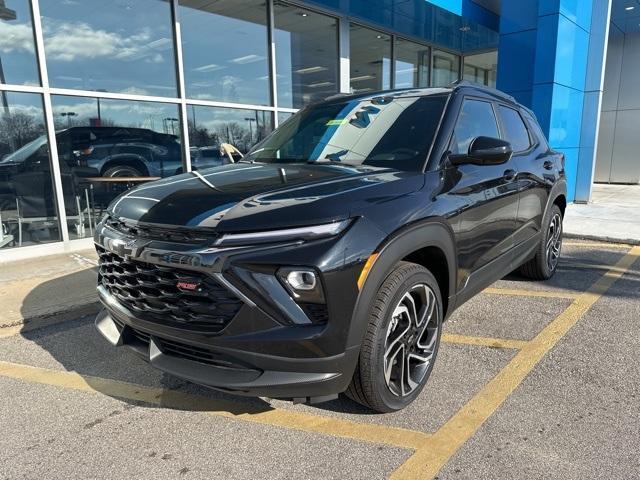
x: 558, y: 196
x: 429, y: 243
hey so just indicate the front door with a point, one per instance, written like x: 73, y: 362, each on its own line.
x: 486, y: 195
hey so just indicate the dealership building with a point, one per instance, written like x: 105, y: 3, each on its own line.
x: 98, y: 96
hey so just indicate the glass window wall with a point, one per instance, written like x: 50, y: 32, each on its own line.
x: 127, y: 48
x: 370, y: 59
x: 481, y: 68
x: 411, y: 64
x: 108, y: 146
x: 17, y: 52
x: 122, y: 46
x: 224, y: 47
x: 446, y: 68
x: 283, y: 117
x: 28, y: 213
x: 306, y: 55
x: 210, y: 127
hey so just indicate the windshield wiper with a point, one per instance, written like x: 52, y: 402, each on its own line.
x: 331, y: 157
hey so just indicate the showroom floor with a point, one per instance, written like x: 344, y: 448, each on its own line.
x: 533, y: 379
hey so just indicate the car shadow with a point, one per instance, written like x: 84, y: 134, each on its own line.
x: 76, y: 346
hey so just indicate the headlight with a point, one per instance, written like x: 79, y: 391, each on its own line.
x: 288, y: 234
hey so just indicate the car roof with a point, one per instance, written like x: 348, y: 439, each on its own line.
x: 460, y: 87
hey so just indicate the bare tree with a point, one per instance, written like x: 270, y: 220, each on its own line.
x: 18, y: 129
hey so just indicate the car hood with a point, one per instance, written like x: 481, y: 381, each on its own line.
x: 250, y: 197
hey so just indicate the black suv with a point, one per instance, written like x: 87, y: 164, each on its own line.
x: 327, y: 259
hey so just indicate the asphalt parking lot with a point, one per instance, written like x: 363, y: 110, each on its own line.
x: 533, y: 380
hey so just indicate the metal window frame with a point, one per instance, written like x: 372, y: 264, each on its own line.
x: 49, y: 123
x: 428, y: 46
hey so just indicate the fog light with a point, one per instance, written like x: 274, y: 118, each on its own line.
x: 304, y: 280
x: 303, y: 284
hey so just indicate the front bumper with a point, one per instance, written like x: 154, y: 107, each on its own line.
x: 261, y: 352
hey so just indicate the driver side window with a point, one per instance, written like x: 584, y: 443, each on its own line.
x: 476, y: 119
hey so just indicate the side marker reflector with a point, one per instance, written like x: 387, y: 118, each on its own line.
x: 366, y: 269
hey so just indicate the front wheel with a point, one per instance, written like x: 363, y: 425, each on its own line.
x: 401, y: 341
x: 543, y: 266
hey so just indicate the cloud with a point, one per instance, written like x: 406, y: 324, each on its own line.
x: 15, y: 37
x: 70, y: 41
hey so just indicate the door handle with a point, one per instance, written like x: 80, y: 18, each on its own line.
x: 548, y: 165
x: 509, y: 175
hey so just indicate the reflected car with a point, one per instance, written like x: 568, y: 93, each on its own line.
x: 121, y: 152
x: 328, y: 258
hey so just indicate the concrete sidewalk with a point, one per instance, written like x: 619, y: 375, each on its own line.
x: 613, y: 215
x: 37, y: 292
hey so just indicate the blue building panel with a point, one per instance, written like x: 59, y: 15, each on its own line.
x: 577, y: 11
x: 572, y: 50
x: 516, y: 61
x: 564, y: 41
x: 518, y: 16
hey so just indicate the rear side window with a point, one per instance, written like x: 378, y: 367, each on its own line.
x: 476, y: 119
x: 535, y: 129
x: 515, y: 131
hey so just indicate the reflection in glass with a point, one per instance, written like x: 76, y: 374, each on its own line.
x: 224, y: 46
x: 306, y: 55
x: 370, y: 60
x: 123, y: 46
x: 27, y: 202
x: 17, y: 53
x: 283, y: 117
x: 482, y: 68
x: 412, y: 64
x: 109, y: 146
x: 209, y: 127
x: 379, y: 132
x: 446, y: 68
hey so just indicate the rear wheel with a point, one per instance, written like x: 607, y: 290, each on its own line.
x: 543, y: 266
x: 401, y: 342
x: 122, y: 171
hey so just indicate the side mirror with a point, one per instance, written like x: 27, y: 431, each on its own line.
x: 485, y: 151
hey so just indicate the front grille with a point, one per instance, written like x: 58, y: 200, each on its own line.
x: 153, y: 232
x: 151, y: 293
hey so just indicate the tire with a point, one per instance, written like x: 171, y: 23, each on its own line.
x: 122, y: 171
x: 545, y: 263
x: 396, y: 334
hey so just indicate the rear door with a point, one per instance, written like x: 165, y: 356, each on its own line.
x: 487, y: 194
x: 530, y: 157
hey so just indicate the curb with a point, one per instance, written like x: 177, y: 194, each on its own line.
x: 602, y: 238
x: 34, y: 323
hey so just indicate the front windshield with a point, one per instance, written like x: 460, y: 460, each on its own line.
x: 380, y: 131
x: 25, y: 152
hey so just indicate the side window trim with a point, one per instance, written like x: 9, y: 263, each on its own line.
x: 535, y: 130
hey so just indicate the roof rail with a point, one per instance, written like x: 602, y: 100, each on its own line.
x: 494, y: 91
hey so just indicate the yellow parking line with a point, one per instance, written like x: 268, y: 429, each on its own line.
x: 520, y: 292
x: 307, y: 422
x: 624, y: 246
x: 483, y: 341
x: 436, y: 451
